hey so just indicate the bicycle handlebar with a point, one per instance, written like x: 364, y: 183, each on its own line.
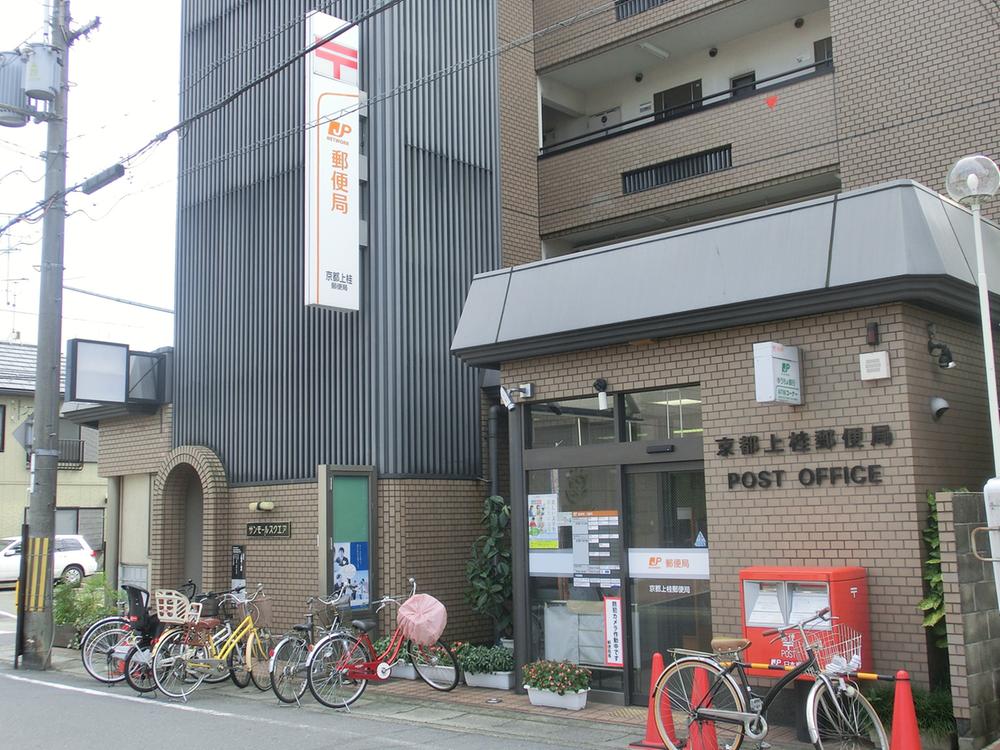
x: 821, y: 615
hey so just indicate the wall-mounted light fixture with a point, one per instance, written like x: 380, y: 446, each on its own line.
x: 265, y: 506
x: 601, y: 386
x: 654, y: 50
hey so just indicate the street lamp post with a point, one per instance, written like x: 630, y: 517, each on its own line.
x: 972, y: 180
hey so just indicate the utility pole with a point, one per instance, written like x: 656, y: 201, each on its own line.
x: 38, y: 627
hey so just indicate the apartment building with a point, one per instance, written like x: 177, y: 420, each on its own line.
x: 683, y: 181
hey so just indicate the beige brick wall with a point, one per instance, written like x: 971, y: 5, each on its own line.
x: 916, y: 88
x: 135, y: 445
x: 875, y: 526
x: 599, y: 29
x: 583, y: 187
x: 518, y: 113
x: 425, y: 529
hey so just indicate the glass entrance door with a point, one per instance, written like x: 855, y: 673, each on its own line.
x: 667, y: 537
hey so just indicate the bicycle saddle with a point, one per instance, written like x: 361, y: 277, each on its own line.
x: 363, y: 625
x: 729, y: 645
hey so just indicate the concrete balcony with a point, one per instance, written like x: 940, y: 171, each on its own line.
x: 782, y: 145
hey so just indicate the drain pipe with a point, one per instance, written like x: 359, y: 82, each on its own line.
x: 494, y: 449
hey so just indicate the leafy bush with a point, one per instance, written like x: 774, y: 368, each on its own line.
x: 933, y: 604
x: 82, y: 605
x: 485, y: 659
x: 489, y: 569
x: 935, y: 715
x: 557, y: 676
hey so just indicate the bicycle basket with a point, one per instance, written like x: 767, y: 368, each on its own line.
x: 260, y: 610
x: 326, y: 616
x: 838, y: 650
x: 210, y: 607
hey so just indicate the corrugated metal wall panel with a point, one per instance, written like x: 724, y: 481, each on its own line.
x: 276, y: 388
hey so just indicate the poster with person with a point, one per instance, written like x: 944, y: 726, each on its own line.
x: 352, y: 554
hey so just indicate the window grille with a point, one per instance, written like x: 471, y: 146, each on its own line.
x: 628, y: 8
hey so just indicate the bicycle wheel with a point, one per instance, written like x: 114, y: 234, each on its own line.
x: 689, y: 684
x: 258, y: 658
x: 435, y: 664
x: 175, y: 665
x: 105, y: 652
x: 842, y: 720
x: 114, y: 622
x: 328, y: 663
x: 289, y: 673
x: 237, y: 661
x: 139, y: 670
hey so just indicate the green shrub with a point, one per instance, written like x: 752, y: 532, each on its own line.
x: 489, y: 570
x: 935, y: 715
x: 485, y: 659
x: 82, y: 605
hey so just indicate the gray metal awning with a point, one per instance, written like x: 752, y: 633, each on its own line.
x: 896, y: 242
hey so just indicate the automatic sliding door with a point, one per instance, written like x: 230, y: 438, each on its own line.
x: 668, y: 566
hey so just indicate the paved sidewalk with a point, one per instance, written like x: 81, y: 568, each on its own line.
x: 597, y: 726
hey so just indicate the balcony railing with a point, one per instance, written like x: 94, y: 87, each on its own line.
x: 71, y: 454
x: 719, y: 98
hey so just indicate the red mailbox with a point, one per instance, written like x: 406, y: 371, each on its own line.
x: 778, y: 596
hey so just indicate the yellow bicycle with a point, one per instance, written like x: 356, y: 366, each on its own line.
x: 185, y: 656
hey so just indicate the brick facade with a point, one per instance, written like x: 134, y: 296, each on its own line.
x: 135, y: 445
x: 874, y: 526
x: 793, y: 139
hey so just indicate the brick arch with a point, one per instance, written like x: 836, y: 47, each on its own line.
x: 183, y: 465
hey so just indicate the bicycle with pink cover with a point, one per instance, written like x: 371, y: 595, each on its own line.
x: 342, y: 664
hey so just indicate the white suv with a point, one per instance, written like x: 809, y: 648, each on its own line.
x: 74, y: 558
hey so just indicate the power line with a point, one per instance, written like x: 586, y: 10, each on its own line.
x: 118, y: 299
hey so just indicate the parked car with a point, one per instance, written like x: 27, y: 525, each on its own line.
x: 74, y: 558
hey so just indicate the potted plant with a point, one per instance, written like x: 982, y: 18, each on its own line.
x: 559, y: 684
x: 75, y: 608
x: 489, y: 569
x: 488, y: 667
x: 402, y: 668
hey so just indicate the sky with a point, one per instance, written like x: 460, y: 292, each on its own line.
x: 119, y: 240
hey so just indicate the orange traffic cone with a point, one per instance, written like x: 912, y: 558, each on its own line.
x: 905, y: 735
x: 702, y: 732
x: 652, y: 738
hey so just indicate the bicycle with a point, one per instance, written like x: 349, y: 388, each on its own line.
x: 187, y: 655
x: 289, y: 676
x: 703, y: 697
x: 138, y: 670
x: 342, y: 662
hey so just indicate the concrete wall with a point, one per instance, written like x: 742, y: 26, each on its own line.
x: 973, y: 621
x: 876, y: 526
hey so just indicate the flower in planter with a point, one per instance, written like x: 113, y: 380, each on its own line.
x: 557, y: 677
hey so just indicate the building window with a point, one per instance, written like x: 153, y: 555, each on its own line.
x: 743, y: 85
x: 823, y: 53
x: 677, y: 169
x: 569, y: 424
x: 663, y: 414
x: 678, y: 100
x: 628, y: 8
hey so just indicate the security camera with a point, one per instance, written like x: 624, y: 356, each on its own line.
x: 638, y: 77
x: 938, y: 407
x: 506, y: 400
x: 799, y: 23
x: 713, y: 52
x: 945, y: 359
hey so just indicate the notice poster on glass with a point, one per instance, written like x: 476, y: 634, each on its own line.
x: 596, y: 549
x: 356, y: 554
x: 543, y: 520
x: 613, y: 656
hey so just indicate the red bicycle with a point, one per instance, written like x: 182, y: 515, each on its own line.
x: 342, y: 664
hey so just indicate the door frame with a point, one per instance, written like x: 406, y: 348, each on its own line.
x: 326, y: 476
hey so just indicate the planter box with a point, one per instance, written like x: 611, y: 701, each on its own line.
x: 438, y: 674
x: 507, y: 643
x: 404, y: 671
x: 494, y: 680
x: 570, y: 701
x: 65, y: 636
